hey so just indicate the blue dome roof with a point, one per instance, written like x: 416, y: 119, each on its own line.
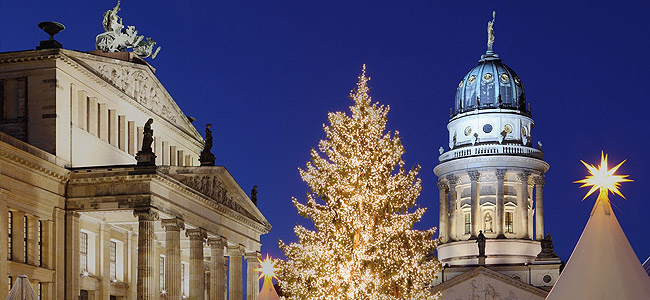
x: 491, y: 84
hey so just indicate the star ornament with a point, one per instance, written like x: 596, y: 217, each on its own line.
x: 602, y: 178
x: 267, y: 268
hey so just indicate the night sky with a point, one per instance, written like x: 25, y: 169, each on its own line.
x: 266, y: 73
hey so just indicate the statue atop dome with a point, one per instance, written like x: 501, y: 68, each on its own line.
x: 115, y: 38
x: 490, y: 31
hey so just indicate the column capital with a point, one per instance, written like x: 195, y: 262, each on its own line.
x: 217, y: 242
x: 252, y: 256
x: 474, y: 175
x: 501, y: 173
x: 452, y: 179
x: 442, y: 185
x: 196, y: 234
x: 539, y: 180
x: 236, y: 250
x: 145, y: 214
x: 72, y: 214
x: 523, y: 176
x: 175, y: 224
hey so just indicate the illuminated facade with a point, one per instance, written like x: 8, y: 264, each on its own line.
x: 81, y: 219
x: 491, y: 182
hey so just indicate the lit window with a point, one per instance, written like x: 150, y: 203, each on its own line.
x: 40, y: 244
x: 11, y: 283
x: 25, y: 235
x: 39, y: 290
x: 162, y: 272
x: 10, y: 241
x: 113, y: 261
x: 509, y: 222
x: 83, y: 252
x: 468, y: 223
x: 184, y: 281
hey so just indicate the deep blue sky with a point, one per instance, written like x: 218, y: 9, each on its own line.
x: 265, y: 74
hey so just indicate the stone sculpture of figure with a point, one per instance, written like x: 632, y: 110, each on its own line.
x: 488, y: 222
x: 490, y: 31
x: 254, y: 195
x: 207, y: 158
x: 115, y: 38
x: 441, y: 150
x: 481, y: 244
x: 147, y: 138
x: 111, y: 21
x: 547, y: 248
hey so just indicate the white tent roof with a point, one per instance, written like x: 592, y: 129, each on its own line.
x: 603, y: 264
x: 268, y: 291
x: 22, y: 290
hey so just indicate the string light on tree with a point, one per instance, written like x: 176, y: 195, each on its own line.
x: 362, y: 202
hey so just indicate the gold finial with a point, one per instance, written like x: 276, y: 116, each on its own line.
x: 603, y: 179
x: 490, y: 31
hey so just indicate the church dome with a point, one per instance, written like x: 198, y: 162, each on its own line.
x: 491, y: 84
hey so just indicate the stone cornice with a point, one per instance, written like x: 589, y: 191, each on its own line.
x: 33, y: 163
x: 512, y: 163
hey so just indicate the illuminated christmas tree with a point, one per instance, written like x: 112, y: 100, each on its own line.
x: 362, y: 203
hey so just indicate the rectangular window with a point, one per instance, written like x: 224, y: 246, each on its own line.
x: 183, y: 271
x: 10, y: 241
x: 25, y: 235
x: 509, y: 222
x: 83, y: 251
x: 40, y: 244
x: 113, y: 260
x: 39, y: 290
x: 88, y: 108
x: 468, y: 223
x: 162, y: 273
x: 11, y: 282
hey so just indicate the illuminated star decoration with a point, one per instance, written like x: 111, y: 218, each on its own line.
x: 267, y: 268
x: 602, y: 178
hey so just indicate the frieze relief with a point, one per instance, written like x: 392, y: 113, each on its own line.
x: 139, y: 85
x: 212, y: 187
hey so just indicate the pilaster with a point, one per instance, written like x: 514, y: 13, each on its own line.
x: 104, y: 262
x: 453, y: 234
x: 522, y: 205
x: 72, y: 271
x: 539, y: 207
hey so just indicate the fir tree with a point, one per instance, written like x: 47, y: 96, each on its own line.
x: 362, y: 203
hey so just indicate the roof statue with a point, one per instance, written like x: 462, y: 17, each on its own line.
x: 490, y: 31
x: 116, y: 38
x: 22, y: 290
x: 603, y: 265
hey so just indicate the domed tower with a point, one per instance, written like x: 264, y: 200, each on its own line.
x: 491, y: 179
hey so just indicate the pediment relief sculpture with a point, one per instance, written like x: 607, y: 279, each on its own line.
x: 213, y: 188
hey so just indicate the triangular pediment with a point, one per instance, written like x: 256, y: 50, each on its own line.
x: 483, y: 283
x: 136, y: 81
x: 217, y: 184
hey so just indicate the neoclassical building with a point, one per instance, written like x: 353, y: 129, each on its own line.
x: 82, y: 218
x: 491, y: 183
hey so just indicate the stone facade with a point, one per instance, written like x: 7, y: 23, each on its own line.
x: 83, y: 220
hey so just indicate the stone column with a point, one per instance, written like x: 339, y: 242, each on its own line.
x: 217, y: 268
x: 173, y: 229
x: 197, y: 276
x: 72, y: 267
x: 235, y: 288
x: 474, y: 177
x: 499, y: 218
x: 453, y: 234
x: 444, y: 211
x: 522, y: 205
x: 132, y: 292
x: 58, y: 254
x: 252, y: 278
x: 146, y: 253
x: 539, y: 207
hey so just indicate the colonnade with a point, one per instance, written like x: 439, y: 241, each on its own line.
x: 450, y: 207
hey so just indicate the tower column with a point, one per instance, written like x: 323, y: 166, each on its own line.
x: 197, y: 276
x: 539, y: 208
x: 453, y: 235
x: 252, y: 280
x: 522, y: 205
x: 235, y: 286
x: 173, y: 229
x: 146, y: 289
x: 217, y: 269
x: 444, y: 211
x: 474, y: 177
x: 500, y: 213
